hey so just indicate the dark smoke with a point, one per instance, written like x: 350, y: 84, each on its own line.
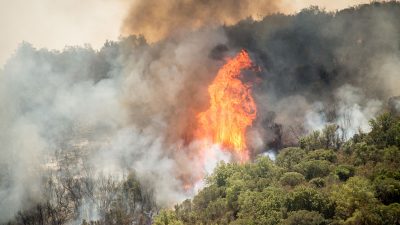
x: 336, y: 66
x: 158, y: 19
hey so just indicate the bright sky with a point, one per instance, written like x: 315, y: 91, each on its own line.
x: 56, y: 23
x: 327, y: 4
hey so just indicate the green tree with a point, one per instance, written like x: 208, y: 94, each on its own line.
x: 387, y: 189
x: 314, y: 168
x: 167, y: 217
x: 385, y: 131
x: 327, y: 139
x: 322, y: 154
x: 318, y: 182
x: 292, y: 179
x: 344, y: 172
x: 304, y: 217
x: 355, y: 194
x: 261, y: 207
x: 306, y: 198
x: 289, y: 157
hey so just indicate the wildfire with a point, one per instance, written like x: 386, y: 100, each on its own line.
x: 232, y: 108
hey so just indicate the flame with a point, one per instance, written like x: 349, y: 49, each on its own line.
x: 232, y: 108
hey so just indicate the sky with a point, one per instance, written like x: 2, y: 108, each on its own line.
x: 55, y: 24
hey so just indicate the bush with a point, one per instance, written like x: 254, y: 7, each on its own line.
x: 344, y: 172
x: 292, y: 179
x: 387, y: 189
x: 322, y: 154
x: 305, y: 198
x: 167, y: 218
x: 385, y: 131
x: 390, y: 214
x: 304, y: 217
x: 391, y: 155
x: 364, y: 153
x: 261, y: 207
x: 356, y: 193
x: 314, y: 168
x: 317, y: 182
x: 327, y: 139
x: 289, y: 157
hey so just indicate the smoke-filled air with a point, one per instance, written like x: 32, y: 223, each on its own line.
x: 199, y: 110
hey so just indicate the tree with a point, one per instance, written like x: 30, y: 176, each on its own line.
x: 327, y: 139
x: 318, y: 182
x: 289, y: 157
x: 322, y: 154
x: 344, y: 172
x: 261, y: 207
x: 166, y: 217
x: 292, y: 179
x: 385, y: 131
x: 306, y: 198
x: 387, y: 189
x: 304, y: 217
x: 314, y: 168
x: 355, y: 194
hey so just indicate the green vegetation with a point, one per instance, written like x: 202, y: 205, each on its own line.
x: 324, y: 181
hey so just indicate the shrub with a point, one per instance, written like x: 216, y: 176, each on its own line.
x: 292, y: 179
x: 306, y: 198
x: 289, y: 157
x: 304, y: 217
x: 322, y: 154
x: 313, y: 168
x: 167, y: 217
x: 387, y: 189
x: 344, y: 172
x: 317, y: 182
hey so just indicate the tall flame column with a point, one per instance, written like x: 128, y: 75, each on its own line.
x: 232, y: 108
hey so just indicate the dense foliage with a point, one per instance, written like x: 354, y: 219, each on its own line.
x: 324, y: 181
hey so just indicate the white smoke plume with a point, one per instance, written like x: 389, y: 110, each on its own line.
x: 121, y: 106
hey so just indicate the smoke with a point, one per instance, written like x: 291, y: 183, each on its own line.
x: 131, y: 106
x: 353, y: 117
x: 46, y: 97
x: 159, y: 19
x: 123, y: 108
x: 156, y: 20
x: 321, y: 67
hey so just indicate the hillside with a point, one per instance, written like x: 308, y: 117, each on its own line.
x: 324, y: 181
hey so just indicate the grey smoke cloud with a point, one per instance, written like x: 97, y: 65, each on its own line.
x: 124, y: 108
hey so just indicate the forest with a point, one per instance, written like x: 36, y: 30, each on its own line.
x: 323, y: 181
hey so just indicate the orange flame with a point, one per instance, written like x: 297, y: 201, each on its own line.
x: 232, y: 108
